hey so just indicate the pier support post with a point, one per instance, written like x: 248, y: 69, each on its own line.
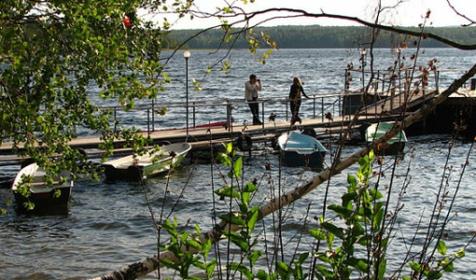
x: 148, y: 122
x: 193, y: 113
x: 314, y: 106
x: 153, y: 114
x: 228, y: 115
x: 262, y: 114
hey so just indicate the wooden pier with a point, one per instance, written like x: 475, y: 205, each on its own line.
x: 325, y: 120
x: 200, y: 137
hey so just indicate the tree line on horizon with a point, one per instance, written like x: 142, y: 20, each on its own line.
x: 315, y: 36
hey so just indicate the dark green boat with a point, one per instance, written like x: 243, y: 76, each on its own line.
x: 395, y: 145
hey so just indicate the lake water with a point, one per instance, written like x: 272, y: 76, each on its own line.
x: 108, y: 225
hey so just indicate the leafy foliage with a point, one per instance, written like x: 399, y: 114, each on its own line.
x: 51, y: 52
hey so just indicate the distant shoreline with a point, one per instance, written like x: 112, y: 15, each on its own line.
x: 322, y: 37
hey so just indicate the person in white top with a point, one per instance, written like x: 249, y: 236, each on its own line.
x: 251, y: 95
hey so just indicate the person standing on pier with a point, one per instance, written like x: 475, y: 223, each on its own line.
x: 251, y: 95
x: 295, y: 99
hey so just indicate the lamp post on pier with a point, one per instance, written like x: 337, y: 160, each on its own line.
x: 186, y: 55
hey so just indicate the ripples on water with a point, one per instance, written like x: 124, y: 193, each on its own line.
x: 108, y: 225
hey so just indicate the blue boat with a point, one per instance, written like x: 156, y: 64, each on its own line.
x: 299, y: 149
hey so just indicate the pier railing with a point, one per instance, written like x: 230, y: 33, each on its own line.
x: 225, y: 111
x: 148, y: 115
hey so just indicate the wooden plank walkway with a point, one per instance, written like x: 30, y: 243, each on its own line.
x: 395, y: 104
x: 200, y: 137
x: 384, y: 110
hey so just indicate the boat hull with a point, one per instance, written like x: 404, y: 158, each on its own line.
x: 45, y: 202
x: 394, y: 149
x: 293, y: 159
x: 133, y: 173
x: 44, y: 197
x: 300, y: 150
x: 138, y: 173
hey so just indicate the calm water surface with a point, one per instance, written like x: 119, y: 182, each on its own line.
x: 109, y: 225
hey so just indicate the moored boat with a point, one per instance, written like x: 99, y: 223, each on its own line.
x: 42, y: 195
x: 298, y: 149
x: 396, y: 144
x: 152, y: 163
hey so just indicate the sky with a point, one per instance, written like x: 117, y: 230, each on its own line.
x: 408, y: 13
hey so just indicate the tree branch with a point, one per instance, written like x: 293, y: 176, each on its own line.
x: 471, y: 22
x: 394, y: 29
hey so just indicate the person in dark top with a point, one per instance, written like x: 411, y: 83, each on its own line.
x: 295, y: 99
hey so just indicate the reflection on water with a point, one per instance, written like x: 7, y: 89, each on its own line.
x: 109, y: 225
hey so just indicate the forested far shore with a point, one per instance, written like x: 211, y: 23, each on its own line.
x: 315, y: 36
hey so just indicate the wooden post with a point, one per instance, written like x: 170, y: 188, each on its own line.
x: 153, y: 115
x: 322, y: 109
x: 286, y: 105
x: 148, y: 122
x: 314, y: 106
x: 115, y: 119
x: 193, y: 113
x: 262, y: 114
x: 228, y: 114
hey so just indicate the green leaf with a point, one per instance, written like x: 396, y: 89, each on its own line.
x: 324, y: 271
x: 283, y: 270
x: 206, y: 247
x: 357, y: 229
x: 243, y: 269
x: 254, y: 256
x: 335, y: 230
x: 253, y: 218
x: 377, y: 220
x: 262, y: 275
x: 57, y: 193
x: 194, y: 244
x: 341, y: 211
x: 197, y: 86
x: 250, y: 187
x: 211, y: 268
x: 352, y: 181
x: 434, y: 274
x: 317, y: 234
x: 228, y: 191
x: 360, y: 264
x: 233, y: 219
x: 446, y: 264
x: 382, y: 268
x: 349, y: 197
x: 415, y: 266
x: 441, y: 247
x: 460, y: 253
x: 245, y: 200
x: 371, y: 155
x: 239, y: 241
x: 302, y: 257
x: 375, y: 193
x: 229, y: 148
x: 238, y: 166
x: 224, y: 159
x: 28, y: 205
